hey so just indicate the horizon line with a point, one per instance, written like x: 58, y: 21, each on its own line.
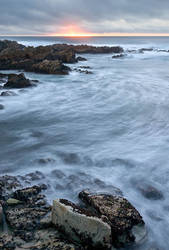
x: 93, y: 35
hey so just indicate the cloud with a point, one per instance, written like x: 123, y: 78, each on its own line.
x: 50, y: 16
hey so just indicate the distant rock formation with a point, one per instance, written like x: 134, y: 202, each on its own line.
x: 46, y: 59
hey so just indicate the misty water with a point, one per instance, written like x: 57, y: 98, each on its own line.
x: 109, y: 128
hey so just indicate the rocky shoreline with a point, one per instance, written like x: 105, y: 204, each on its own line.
x: 27, y: 220
x: 99, y: 221
x: 49, y: 59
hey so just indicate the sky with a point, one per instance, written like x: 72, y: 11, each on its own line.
x: 80, y: 17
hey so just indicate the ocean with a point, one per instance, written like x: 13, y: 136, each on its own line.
x: 109, y: 128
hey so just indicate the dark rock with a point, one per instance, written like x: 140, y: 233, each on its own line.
x: 1, y: 107
x: 150, y: 192
x: 79, y: 58
x: 145, y: 49
x: 7, y: 185
x: 118, y: 56
x: 18, y: 81
x: 124, y: 219
x: 8, y: 93
x: 47, y: 59
x: 69, y: 158
x: 35, y: 176
x: 46, y: 160
x: 85, y: 67
x: 1, y: 214
x: 4, y: 44
x: 50, y: 67
x: 58, y: 173
x: 7, y: 242
x: 27, y: 193
x: 84, y: 71
x: 81, y: 49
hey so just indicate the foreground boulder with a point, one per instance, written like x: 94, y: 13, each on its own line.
x: 18, y: 81
x: 126, y: 223
x: 82, y: 226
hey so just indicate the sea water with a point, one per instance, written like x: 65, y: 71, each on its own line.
x: 109, y: 128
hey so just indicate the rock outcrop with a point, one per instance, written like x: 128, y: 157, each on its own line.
x: 46, y: 59
x: 102, y: 222
x: 10, y: 44
x: 124, y: 219
x: 18, y: 81
x: 50, y: 67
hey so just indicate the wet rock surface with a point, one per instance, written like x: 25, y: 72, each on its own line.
x: 100, y: 222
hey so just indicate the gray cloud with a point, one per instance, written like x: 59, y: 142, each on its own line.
x: 49, y: 16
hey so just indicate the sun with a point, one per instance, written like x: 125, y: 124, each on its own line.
x: 72, y: 30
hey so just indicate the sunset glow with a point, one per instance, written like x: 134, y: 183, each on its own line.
x: 72, y: 30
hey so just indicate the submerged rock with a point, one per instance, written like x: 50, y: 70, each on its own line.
x: 150, y: 192
x: 126, y: 223
x: 1, y: 107
x: 80, y: 58
x: 81, y: 225
x: 1, y: 214
x: 118, y: 56
x: 8, y: 93
x: 18, y: 81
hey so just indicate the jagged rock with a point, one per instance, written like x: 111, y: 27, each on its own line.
x: 4, y: 44
x: 8, y: 93
x: 7, y: 185
x: 126, y: 223
x: 81, y: 225
x: 50, y: 67
x: 27, y: 193
x: 18, y: 81
x: 24, y: 217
